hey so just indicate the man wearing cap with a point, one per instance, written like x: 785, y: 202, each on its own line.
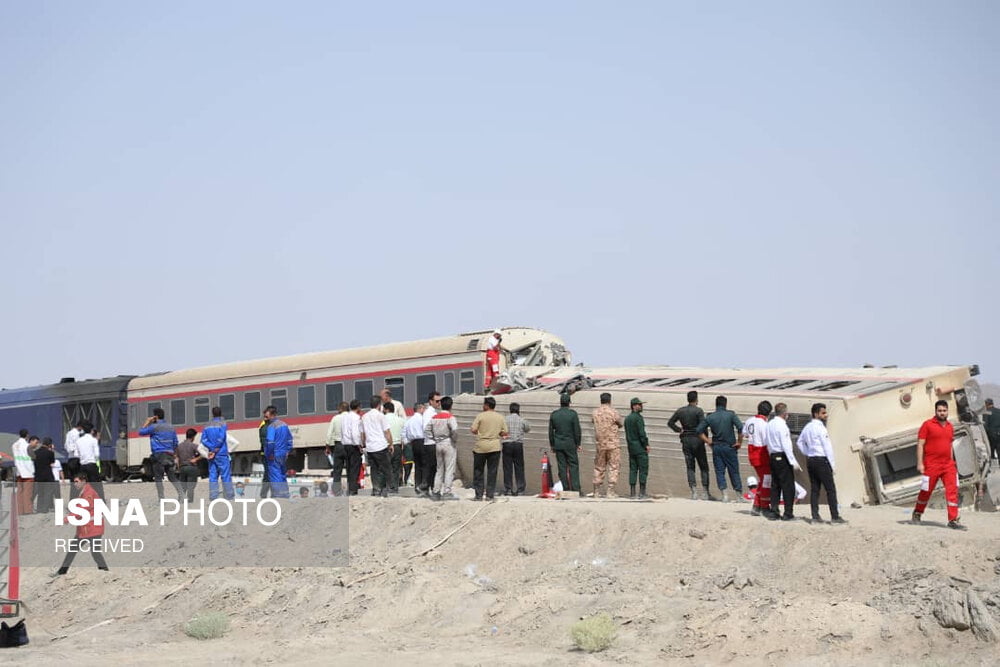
x: 607, y: 459
x: 492, y: 359
x: 991, y: 422
x: 638, y: 449
x: 564, y: 440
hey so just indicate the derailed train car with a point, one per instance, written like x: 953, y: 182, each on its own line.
x: 874, y: 416
x: 307, y: 388
x: 50, y: 410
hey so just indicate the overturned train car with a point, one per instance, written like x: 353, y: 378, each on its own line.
x: 874, y: 416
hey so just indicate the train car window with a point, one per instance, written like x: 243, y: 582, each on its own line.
x: 756, y: 382
x: 334, y: 396
x: 832, y: 386
x: 279, y: 399
x: 201, y: 410
x: 307, y: 400
x: 178, y: 413
x: 363, y: 392
x: 133, y: 416
x: 712, y: 383
x: 449, y: 384
x: 396, y: 386
x: 679, y: 382
x: 150, y: 407
x: 467, y: 382
x: 228, y: 404
x: 425, y: 385
x: 791, y: 384
x: 251, y: 405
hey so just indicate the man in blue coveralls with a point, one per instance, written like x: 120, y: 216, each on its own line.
x: 279, y: 444
x: 213, y: 436
x: 162, y: 443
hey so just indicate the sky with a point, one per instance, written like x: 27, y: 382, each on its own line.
x: 712, y: 184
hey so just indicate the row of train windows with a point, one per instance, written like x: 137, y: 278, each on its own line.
x: 698, y: 383
x: 333, y: 394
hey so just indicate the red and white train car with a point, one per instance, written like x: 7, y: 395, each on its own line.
x: 307, y: 388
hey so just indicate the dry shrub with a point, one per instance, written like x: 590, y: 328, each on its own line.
x: 207, y: 625
x: 595, y: 633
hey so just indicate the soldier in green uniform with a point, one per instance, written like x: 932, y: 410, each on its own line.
x: 638, y: 448
x: 564, y: 441
x: 991, y: 422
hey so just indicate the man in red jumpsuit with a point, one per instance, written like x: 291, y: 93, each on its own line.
x: 89, y: 532
x: 935, y: 461
x: 493, y: 358
x: 755, y: 435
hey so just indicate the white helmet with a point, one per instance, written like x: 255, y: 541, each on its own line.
x: 751, y: 481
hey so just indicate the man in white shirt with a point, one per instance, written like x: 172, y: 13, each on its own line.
x: 25, y: 469
x: 413, y: 440
x: 335, y: 447
x: 814, y: 443
x: 90, y: 454
x: 428, y: 454
x: 783, y: 463
x: 755, y: 435
x: 350, y: 434
x: 376, y: 439
x: 73, y: 456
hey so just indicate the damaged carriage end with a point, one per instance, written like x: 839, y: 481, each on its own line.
x: 890, y: 462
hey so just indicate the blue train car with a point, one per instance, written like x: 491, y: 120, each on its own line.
x: 50, y: 410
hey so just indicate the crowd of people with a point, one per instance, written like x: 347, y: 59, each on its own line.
x: 39, y: 472
x: 769, y: 450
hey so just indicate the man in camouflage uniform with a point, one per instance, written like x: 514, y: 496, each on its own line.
x: 607, y: 423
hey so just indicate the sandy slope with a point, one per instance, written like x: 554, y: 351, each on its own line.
x: 506, y: 589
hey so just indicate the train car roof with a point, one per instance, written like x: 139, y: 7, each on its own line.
x: 462, y: 343
x: 68, y: 390
x: 841, y: 383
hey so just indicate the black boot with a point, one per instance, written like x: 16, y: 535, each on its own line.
x: 642, y: 491
x: 632, y: 490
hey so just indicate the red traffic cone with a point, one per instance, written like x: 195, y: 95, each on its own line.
x: 546, y: 477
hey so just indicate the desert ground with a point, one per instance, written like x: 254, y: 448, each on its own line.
x: 686, y: 582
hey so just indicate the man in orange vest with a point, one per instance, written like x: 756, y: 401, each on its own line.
x: 87, y: 533
x: 492, y: 359
x: 935, y: 461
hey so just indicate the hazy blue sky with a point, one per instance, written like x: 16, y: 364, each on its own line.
x: 724, y: 183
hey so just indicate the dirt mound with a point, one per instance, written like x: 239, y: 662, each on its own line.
x: 682, y: 579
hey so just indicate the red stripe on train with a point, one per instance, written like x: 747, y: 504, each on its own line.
x: 320, y: 380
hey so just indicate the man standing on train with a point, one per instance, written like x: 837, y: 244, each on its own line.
x: 565, y: 441
x: 935, y: 461
x: 688, y: 418
x: 279, y: 444
x: 755, y: 435
x: 162, y: 443
x: 492, y: 359
x: 213, y: 436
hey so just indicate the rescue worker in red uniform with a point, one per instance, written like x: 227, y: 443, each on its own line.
x: 755, y: 435
x: 492, y: 359
x: 935, y: 461
x: 89, y: 532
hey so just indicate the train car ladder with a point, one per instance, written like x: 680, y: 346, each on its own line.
x: 10, y: 556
